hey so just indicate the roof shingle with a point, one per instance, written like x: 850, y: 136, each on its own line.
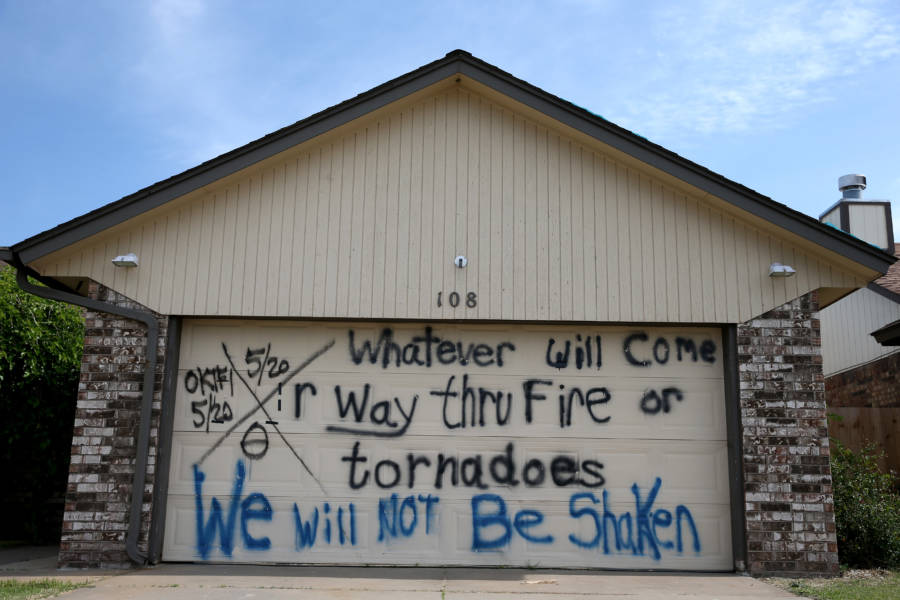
x: 891, y: 279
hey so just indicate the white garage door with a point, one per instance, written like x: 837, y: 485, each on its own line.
x: 446, y: 444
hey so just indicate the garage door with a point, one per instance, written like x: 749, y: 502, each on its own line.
x: 449, y: 444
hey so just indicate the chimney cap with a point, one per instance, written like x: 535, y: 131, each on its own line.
x: 852, y: 182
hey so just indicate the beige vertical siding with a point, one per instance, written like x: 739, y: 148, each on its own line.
x: 867, y: 222
x: 365, y: 223
x: 846, y: 326
x: 833, y: 218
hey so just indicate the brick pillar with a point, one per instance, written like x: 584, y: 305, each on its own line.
x: 107, y: 417
x: 787, y: 476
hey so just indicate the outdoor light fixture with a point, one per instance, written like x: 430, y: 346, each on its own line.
x: 460, y: 261
x: 126, y: 260
x: 777, y: 269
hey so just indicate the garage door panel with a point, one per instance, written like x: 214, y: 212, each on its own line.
x: 690, y: 469
x: 692, y: 352
x: 612, y: 444
x: 451, y: 538
x: 624, y: 410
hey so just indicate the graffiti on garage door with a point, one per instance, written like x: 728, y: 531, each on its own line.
x: 555, y: 495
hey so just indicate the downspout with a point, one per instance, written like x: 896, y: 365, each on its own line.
x: 143, y: 446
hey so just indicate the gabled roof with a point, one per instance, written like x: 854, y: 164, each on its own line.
x: 457, y: 62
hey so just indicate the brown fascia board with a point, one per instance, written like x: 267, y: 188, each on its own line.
x: 455, y: 62
x: 884, y: 292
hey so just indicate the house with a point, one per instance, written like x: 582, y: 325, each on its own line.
x: 862, y: 373
x: 455, y: 320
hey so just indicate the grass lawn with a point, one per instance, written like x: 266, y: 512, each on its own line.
x: 852, y: 585
x: 13, y: 589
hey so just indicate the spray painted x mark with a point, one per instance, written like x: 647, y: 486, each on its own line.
x: 261, y: 405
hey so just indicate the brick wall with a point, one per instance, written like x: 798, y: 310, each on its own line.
x: 875, y: 384
x: 787, y: 476
x: 104, y: 439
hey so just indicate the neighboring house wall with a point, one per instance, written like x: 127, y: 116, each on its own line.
x: 862, y: 377
x: 875, y: 384
x: 865, y: 402
x: 846, y: 328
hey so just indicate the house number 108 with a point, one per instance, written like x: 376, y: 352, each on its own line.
x: 453, y: 299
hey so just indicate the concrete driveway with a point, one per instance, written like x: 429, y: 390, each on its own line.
x: 188, y: 581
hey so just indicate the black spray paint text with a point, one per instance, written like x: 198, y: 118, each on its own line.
x: 464, y: 405
x: 476, y: 471
x: 425, y: 350
x: 641, y: 353
x: 388, y: 418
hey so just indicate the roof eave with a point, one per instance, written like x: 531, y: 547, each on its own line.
x: 889, y: 335
x: 686, y: 170
x: 231, y: 162
x: 884, y: 292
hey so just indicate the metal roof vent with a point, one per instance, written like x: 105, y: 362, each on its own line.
x: 852, y: 186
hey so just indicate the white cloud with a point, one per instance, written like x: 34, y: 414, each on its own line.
x: 725, y: 67
x: 211, y: 79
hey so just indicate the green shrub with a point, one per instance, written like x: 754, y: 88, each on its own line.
x: 40, y: 356
x: 866, y: 508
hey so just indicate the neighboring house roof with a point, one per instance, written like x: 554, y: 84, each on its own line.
x: 888, y: 285
x: 891, y: 279
x: 889, y: 335
x: 455, y: 63
x: 848, y: 323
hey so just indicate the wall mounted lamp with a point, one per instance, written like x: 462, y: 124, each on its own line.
x: 126, y: 260
x: 777, y: 269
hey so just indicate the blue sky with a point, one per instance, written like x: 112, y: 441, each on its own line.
x: 102, y: 98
